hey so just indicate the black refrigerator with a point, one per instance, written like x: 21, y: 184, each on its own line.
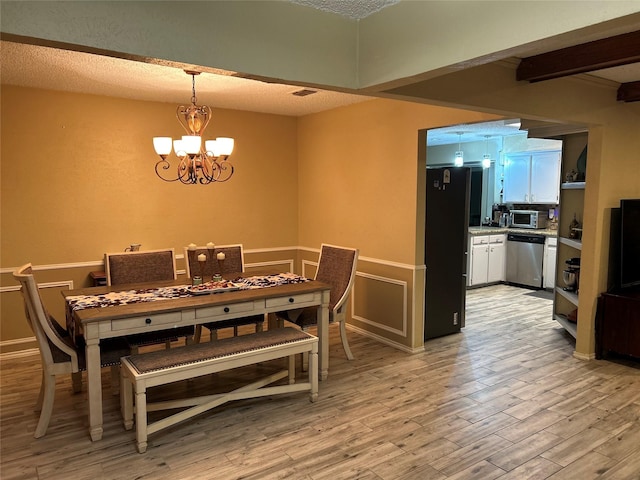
x: 447, y: 228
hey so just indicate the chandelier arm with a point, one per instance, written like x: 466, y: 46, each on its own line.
x: 164, y: 165
x: 225, y: 169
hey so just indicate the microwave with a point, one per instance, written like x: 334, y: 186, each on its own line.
x: 528, y: 219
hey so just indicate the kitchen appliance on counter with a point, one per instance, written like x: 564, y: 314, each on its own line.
x: 524, y: 259
x: 571, y: 275
x: 500, y: 215
x: 528, y: 219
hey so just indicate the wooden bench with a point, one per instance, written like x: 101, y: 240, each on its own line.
x: 151, y: 369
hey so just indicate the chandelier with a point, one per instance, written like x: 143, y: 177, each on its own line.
x: 197, y: 163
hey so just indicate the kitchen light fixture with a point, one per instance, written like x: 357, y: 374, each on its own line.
x: 486, y: 158
x: 458, y: 161
x: 196, y: 164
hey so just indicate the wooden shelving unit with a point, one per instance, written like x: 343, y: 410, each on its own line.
x: 565, y: 303
x: 572, y: 186
x: 577, y: 244
x: 570, y: 327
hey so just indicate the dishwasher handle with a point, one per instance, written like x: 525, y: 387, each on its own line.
x: 520, y: 237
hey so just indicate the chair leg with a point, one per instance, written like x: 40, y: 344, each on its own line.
x: 167, y: 344
x: 49, y: 387
x: 38, y: 407
x: 235, y: 331
x: 115, y: 379
x: 197, y: 334
x: 345, y: 343
x: 213, y: 335
x: 76, y: 382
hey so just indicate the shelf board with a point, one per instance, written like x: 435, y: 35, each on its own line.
x: 573, y: 185
x: 570, y: 327
x: 577, y: 244
x: 572, y: 297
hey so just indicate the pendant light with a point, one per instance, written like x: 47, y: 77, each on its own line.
x: 486, y: 158
x: 458, y: 161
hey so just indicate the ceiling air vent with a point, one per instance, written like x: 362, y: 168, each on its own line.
x: 304, y: 92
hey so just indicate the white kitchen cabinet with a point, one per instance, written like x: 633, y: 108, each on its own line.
x: 532, y: 177
x: 487, y: 259
x: 479, y: 263
x: 549, y: 262
x: 497, y: 256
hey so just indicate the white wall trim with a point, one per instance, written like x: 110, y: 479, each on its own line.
x: 584, y: 356
x: 306, y: 263
x: 27, y: 352
x: 100, y: 263
x: 386, y: 341
x: 403, y: 284
x: 63, y: 283
x: 271, y: 263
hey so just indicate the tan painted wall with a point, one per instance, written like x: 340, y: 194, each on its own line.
x: 78, y: 179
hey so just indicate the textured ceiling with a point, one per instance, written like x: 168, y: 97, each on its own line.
x: 54, y: 69
x: 355, y: 9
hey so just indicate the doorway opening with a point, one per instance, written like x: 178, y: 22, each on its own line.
x: 485, y: 148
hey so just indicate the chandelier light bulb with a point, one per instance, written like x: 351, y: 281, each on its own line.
x: 162, y: 145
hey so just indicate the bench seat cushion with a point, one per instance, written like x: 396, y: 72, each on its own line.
x: 161, y: 359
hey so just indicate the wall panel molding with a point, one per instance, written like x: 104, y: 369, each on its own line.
x: 373, y: 323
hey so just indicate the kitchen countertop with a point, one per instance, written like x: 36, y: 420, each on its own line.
x: 498, y: 230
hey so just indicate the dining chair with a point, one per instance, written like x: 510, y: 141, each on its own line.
x: 232, y: 264
x: 337, y: 267
x: 58, y: 353
x: 146, y: 266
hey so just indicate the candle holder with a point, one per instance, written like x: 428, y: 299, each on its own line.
x: 202, y: 265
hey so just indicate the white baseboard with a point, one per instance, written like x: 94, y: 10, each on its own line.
x: 386, y: 341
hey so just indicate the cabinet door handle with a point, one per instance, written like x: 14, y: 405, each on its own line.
x: 226, y: 309
x: 147, y: 321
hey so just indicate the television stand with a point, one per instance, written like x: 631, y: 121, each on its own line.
x: 618, y: 323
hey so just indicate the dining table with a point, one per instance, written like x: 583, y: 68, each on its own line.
x: 97, y: 313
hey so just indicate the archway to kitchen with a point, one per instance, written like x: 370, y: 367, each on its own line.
x: 493, y: 254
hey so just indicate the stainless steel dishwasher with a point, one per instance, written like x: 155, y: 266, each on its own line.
x: 524, y: 259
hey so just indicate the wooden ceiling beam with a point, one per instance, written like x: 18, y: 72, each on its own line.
x: 629, y: 92
x: 608, y: 52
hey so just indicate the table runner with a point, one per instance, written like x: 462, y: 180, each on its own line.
x: 80, y: 302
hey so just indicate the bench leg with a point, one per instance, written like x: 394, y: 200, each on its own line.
x: 313, y: 372
x: 126, y: 401
x: 141, y: 420
x: 292, y: 369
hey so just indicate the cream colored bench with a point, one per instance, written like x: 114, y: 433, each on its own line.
x: 142, y: 371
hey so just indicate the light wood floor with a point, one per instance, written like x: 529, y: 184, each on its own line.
x: 504, y: 399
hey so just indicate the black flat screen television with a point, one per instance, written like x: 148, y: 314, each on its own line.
x: 624, y: 260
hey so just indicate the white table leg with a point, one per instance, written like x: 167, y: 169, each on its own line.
x: 94, y: 385
x: 323, y: 336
